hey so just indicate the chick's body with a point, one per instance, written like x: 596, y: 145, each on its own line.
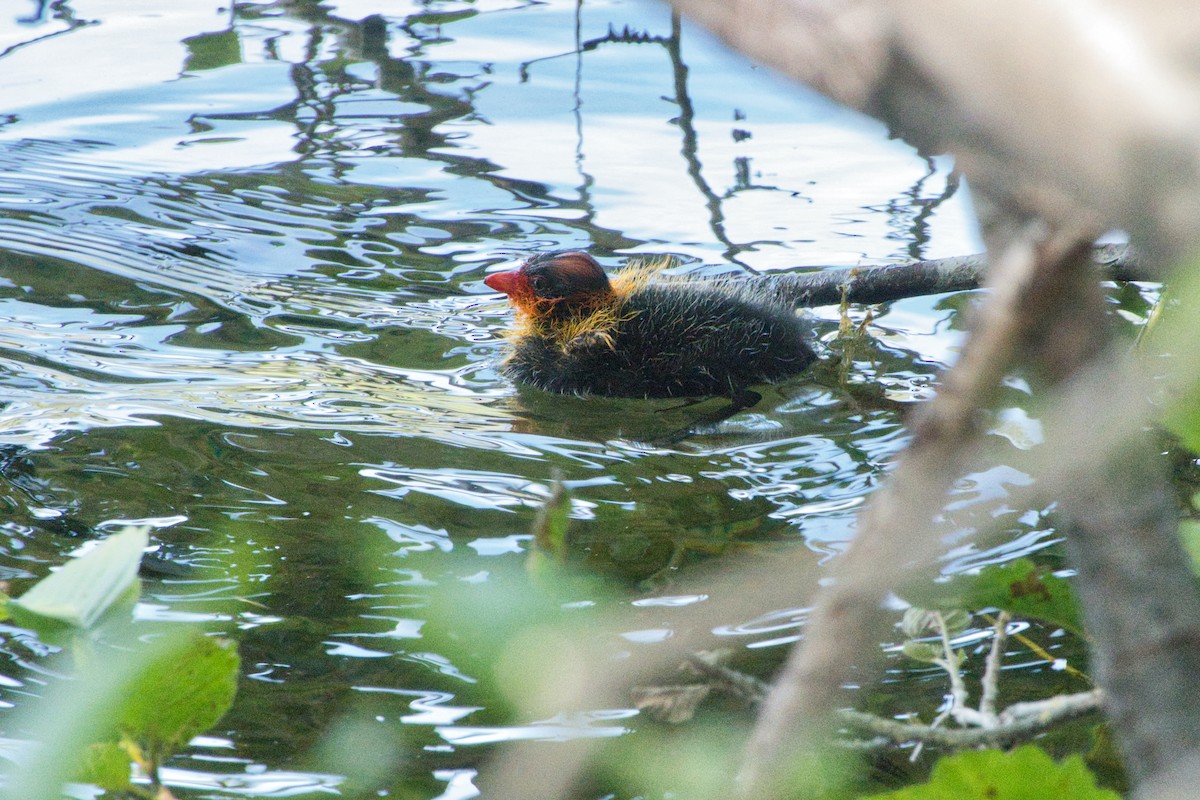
x: 674, y: 338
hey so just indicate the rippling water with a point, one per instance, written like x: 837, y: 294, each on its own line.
x: 241, y: 299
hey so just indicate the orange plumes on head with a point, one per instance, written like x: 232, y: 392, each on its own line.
x: 639, y: 274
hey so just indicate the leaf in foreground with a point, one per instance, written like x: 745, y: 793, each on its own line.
x: 80, y: 591
x: 1027, y: 773
x: 180, y: 696
x: 151, y: 701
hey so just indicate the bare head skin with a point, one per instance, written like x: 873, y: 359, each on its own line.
x: 568, y: 277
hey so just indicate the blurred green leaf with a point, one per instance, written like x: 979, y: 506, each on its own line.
x: 1020, y: 587
x: 550, y: 528
x: 164, y: 692
x: 700, y: 761
x: 80, y: 591
x: 1171, y: 332
x: 955, y: 621
x: 367, y: 750
x: 923, y: 651
x: 918, y: 622
x: 1189, y: 537
x: 1105, y: 759
x: 180, y: 696
x: 1183, y: 419
x: 106, y: 765
x: 1027, y: 773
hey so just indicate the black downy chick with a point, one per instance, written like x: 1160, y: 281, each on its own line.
x: 635, y: 336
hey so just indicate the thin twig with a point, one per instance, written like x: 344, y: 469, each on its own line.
x: 959, y: 709
x: 1017, y: 722
x: 991, y: 669
x: 1034, y: 718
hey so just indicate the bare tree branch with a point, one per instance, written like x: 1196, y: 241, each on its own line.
x: 881, y: 284
x: 1146, y: 649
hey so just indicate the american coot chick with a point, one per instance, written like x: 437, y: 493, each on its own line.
x: 579, y: 333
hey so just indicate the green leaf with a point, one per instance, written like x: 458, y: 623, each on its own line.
x: 923, y: 651
x: 148, y: 699
x: 917, y: 621
x: 106, y: 765
x: 1189, y: 536
x: 80, y: 591
x: 179, y: 695
x: 1020, y: 586
x: 1027, y: 773
x: 955, y: 620
x: 1168, y: 341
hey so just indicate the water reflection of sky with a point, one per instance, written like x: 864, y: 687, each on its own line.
x: 776, y: 157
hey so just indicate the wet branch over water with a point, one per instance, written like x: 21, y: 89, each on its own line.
x: 882, y: 284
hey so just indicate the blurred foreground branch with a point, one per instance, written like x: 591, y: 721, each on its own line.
x: 1026, y: 95
x: 897, y: 527
x: 1023, y: 96
x: 1067, y: 119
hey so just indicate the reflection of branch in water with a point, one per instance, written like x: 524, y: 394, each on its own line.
x: 610, y: 239
x: 324, y: 81
x: 912, y: 218
x: 685, y: 118
x: 626, y: 36
x: 62, y: 12
x: 329, y: 77
x: 690, y: 146
x: 586, y: 181
x: 36, y: 16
